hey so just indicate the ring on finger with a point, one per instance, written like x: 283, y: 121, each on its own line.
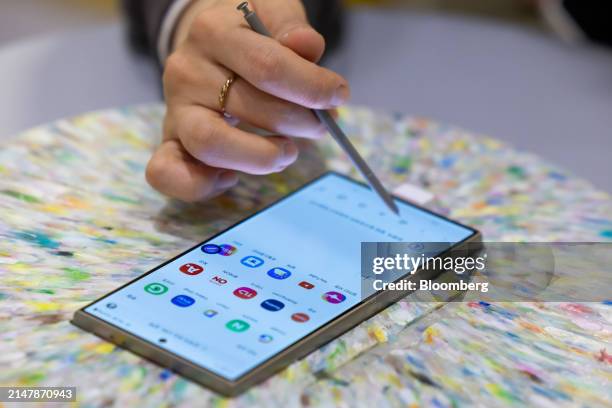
x: 224, y: 93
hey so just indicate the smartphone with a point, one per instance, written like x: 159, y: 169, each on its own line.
x: 238, y: 307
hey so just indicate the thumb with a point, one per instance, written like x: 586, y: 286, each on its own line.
x: 286, y: 20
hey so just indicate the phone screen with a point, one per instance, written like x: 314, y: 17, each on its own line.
x: 236, y: 300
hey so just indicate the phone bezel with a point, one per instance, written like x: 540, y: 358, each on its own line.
x: 302, y: 347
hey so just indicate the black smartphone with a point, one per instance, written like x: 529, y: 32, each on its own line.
x: 236, y: 308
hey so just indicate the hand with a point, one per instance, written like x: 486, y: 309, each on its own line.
x: 277, y: 81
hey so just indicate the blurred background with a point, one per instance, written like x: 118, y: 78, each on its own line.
x: 24, y: 18
x: 20, y: 19
x: 506, y: 68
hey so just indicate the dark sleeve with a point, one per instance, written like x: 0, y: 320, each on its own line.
x: 145, y: 17
x: 593, y: 17
x: 144, y: 20
x: 326, y: 17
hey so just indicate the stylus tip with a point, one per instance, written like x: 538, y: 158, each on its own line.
x: 393, y: 207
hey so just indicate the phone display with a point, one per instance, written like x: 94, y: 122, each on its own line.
x: 233, y: 302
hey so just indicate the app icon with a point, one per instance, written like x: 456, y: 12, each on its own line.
x: 265, y: 338
x: 191, y: 269
x: 279, y: 273
x: 252, y: 261
x: 156, y: 288
x: 218, y: 280
x: 183, y: 300
x: 227, y: 250
x: 306, y: 285
x: 237, y: 325
x: 300, y: 317
x: 333, y: 297
x: 210, y: 313
x: 272, y: 305
x: 210, y: 249
x: 245, y: 293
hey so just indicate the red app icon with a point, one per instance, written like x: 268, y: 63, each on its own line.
x: 218, y: 280
x: 306, y: 285
x: 300, y: 317
x: 245, y: 293
x: 191, y: 269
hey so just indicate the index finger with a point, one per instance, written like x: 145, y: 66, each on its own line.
x: 279, y: 71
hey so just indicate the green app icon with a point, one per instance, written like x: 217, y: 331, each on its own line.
x: 156, y: 288
x: 237, y: 325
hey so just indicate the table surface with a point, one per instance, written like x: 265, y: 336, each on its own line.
x: 78, y: 220
x: 505, y: 80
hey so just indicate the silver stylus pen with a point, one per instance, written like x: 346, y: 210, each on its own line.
x: 331, y: 124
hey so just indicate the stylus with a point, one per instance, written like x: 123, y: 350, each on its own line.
x: 333, y: 128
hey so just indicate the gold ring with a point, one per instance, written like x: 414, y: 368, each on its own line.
x: 224, y: 91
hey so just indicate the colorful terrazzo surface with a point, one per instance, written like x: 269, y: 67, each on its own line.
x: 77, y: 220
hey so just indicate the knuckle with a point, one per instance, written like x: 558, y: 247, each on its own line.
x: 265, y: 65
x: 204, y: 25
x: 176, y: 70
x: 201, y: 136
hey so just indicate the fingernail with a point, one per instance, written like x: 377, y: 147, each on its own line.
x: 293, y: 28
x: 227, y: 179
x: 290, y: 152
x: 341, y: 95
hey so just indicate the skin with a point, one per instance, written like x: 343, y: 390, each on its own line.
x: 277, y: 81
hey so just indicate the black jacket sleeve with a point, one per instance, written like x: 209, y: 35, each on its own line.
x: 593, y: 17
x: 145, y: 17
x: 144, y: 20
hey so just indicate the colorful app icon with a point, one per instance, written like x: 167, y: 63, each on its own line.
x: 279, y: 273
x: 306, y: 285
x: 156, y: 288
x: 210, y: 249
x: 191, y: 269
x: 210, y: 313
x: 252, y: 261
x: 333, y: 297
x: 272, y: 305
x: 300, y: 317
x: 265, y: 338
x: 227, y: 250
x: 237, y: 325
x: 183, y: 300
x: 217, y: 280
x: 245, y: 293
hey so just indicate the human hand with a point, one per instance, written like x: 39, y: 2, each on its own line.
x: 277, y: 83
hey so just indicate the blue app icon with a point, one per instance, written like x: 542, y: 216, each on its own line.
x: 183, y: 300
x: 252, y: 261
x: 211, y: 249
x: 272, y: 305
x: 279, y: 273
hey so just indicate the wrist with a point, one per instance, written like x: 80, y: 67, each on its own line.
x: 185, y: 20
